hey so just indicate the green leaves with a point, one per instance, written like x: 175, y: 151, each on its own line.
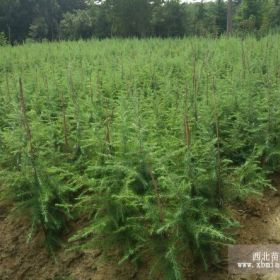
x: 143, y: 144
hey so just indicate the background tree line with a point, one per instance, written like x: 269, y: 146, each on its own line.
x: 83, y: 19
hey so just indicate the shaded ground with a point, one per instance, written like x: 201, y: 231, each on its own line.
x: 22, y: 261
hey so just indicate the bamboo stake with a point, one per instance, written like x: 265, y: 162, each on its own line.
x: 218, y: 164
x: 8, y: 89
x: 156, y: 190
x: 77, y: 113
x: 186, y: 120
x: 65, y: 126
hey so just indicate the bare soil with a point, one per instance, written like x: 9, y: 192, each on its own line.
x: 260, y: 224
x: 22, y: 261
x: 19, y: 260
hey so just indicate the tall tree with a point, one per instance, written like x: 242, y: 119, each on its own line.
x: 251, y: 13
x: 220, y: 13
x: 169, y: 19
x: 130, y: 17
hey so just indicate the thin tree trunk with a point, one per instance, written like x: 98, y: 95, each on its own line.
x: 229, y: 17
x: 9, y: 34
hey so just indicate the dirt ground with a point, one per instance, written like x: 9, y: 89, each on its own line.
x: 260, y: 222
x: 22, y: 261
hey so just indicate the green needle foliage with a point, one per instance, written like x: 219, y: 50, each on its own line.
x: 147, y: 141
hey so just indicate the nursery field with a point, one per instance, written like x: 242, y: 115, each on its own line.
x: 138, y: 147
